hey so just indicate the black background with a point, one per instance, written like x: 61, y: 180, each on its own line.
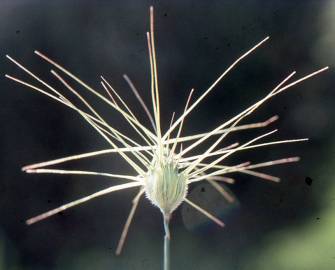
x: 196, y: 41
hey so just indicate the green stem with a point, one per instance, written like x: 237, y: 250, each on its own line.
x: 166, y: 243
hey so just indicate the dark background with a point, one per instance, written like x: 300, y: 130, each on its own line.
x: 275, y: 226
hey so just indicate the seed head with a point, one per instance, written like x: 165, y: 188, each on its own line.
x: 162, y: 169
x: 165, y: 186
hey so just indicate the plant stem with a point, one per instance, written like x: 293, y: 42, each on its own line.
x: 166, y: 242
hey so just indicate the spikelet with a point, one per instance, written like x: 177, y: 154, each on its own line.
x: 163, y: 169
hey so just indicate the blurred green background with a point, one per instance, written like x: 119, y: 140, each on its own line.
x: 290, y: 225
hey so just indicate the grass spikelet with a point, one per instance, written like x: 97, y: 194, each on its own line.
x: 161, y: 169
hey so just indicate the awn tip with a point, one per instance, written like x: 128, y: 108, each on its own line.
x: 272, y: 119
x: 29, y: 170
